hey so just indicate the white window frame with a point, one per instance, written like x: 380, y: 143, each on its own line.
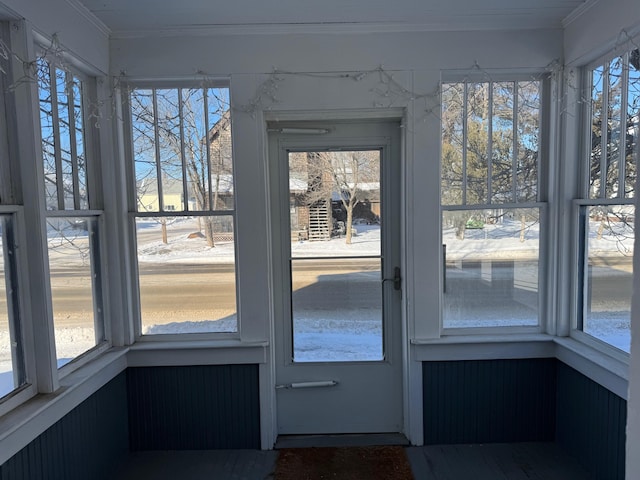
x: 224, y: 339
x: 544, y: 166
x: 11, y: 205
x: 99, y: 263
x: 582, y: 200
x: 29, y: 389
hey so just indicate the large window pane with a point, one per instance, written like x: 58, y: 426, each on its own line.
x: 607, y: 230
x: 609, y: 273
x: 490, y: 142
x: 615, y: 88
x: 491, y: 272
x: 12, y: 372
x: 63, y: 138
x: 74, y: 272
x: 182, y: 156
x: 182, y: 149
x: 73, y: 244
x: 186, y: 284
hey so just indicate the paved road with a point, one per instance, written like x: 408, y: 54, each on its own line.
x: 199, y: 292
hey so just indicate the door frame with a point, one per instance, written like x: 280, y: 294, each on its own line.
x: 268, y: 403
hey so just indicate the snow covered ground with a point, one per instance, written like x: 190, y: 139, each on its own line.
x: 350, y: 334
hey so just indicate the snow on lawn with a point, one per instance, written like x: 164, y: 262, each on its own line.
x: 339, y: 337
x: 70, y: 342
x: 182, y: 249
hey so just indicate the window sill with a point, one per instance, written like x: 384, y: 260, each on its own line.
x: 607, y: 369
x: 20, y: 426
x: 484, y: 347
x: 196, y: 352
x: 30, y: 419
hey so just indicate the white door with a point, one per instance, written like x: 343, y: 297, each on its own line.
x: 336, y: 235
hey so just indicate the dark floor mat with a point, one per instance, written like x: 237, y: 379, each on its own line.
x: 344, y: 463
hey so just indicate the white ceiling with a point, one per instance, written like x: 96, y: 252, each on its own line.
x: 131, y: 16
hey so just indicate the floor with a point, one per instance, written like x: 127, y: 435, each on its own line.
x: 501, y: 461
x: 530, y: 461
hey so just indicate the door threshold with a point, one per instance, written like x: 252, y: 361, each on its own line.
x: 341, y: 440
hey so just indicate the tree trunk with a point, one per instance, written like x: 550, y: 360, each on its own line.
x: 523, y: 226
x: 163, y: 222
x: 460, y: 225
x: 349, y: 224
x: 601, y: 230
x: 208, y: 231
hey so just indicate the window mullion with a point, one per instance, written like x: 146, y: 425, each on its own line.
x: 465, y: 113
x: 622, y: 149
x: 208, y: 148
x: 514, y: 158
x: 604, y: 131
x: 156, y: 134
x: 55, y: 120
x: 183, y: 158
x: 490, y: 145
x: 69, y: 81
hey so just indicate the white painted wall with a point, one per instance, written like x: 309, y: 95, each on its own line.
x: 77, y: 30
x: 600, y: 28
x: 417, y: 58
x: 416, y: 61
x: 234, y: 54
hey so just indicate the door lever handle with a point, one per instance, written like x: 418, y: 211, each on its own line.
x: 323, y: 383
x: 397, y: 279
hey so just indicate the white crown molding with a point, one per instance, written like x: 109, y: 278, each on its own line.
x: 578, y: 12
x: 440, y: 24
x: 88, y: 15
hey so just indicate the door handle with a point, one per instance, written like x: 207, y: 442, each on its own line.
x: 397, y: 279
x: 324, y: 383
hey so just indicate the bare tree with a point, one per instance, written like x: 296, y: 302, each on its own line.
x: 182, y: 140
x: 348, y: 177
x: 354, y: 174
x: 490, y: 146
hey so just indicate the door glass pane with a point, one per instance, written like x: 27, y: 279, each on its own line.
x: 335, y: 226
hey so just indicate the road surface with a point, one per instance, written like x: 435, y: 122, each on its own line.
x: 185, y: 292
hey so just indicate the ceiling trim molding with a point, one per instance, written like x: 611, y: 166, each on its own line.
x: 89, y: 15
x: 578, y: 12
x: 480, y: 23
